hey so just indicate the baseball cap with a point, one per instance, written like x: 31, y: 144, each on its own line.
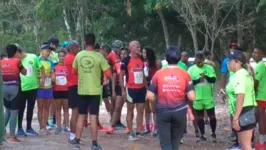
x: 237, y: 55
x: 46, y: 46
x: 54, y: 41
x: 64, y: 43
x: 117, y: 45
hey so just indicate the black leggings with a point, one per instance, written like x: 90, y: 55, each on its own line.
x: 171, y: 126
x: 30, y: 98
x: 201, y: 123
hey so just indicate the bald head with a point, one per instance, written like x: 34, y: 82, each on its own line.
x: 134, y: 48
x: 184, y: 57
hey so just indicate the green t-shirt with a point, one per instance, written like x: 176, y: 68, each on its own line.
x: 204, y: 90
x: 33, y: 65
x: 54, y: 57
x: 90, y: 65
x: 180, y: 64
x: 260, y: 75
x: 241, y: 82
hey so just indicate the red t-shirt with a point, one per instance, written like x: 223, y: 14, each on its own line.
x: 72, y: 79
x: 10, y: 70
x: 117, y: 70
x: 171, y: 84
x: 60, y: 78
x: 113, y: 58
x: 133, y: 68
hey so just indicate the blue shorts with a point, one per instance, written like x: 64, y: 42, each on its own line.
x: 45, y: 93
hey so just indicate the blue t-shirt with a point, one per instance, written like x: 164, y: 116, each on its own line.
x: 224, y: 68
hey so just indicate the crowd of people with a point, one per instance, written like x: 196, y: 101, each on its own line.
x: 164, y: 93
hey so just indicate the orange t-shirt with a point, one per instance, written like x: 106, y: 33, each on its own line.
x: 171, y: 84
x: 112, y: 58
x: 72, y: 79
x: 133, y: 68
x: 60, y: 78
x: 10, y: 70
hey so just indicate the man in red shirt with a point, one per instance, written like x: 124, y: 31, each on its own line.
x: 135, y: 90
x: 112, y: 57
x: 72, y: 81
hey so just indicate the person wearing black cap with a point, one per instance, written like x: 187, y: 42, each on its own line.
x: 241, y: 99
x: 225, y: 75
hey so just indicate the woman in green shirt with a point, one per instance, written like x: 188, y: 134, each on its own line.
x: 241, y: 97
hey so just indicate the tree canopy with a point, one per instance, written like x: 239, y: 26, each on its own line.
x: 196, y: 25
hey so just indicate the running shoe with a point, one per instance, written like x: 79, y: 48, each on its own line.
x: 214, y: 140
x: 145, y: 132
x: 13, y: 140
x: 155, y: 133
x: 76, y: 147
x: 44, y: 132
x: 58, y: 130
x: 72, y: 141
x: 234, y: 147
x: 258, y: 146
x: 132, y: 137
x: 111, y: 130
x: 49, y: 127
x: 32, y: 132
x: 96, y: 147
x: 197, y: 134
x: 21, y: 132
x: 202, y: 139
x: 67, y: 130
x: 120, y: 126
x: 102, y: 128
x: 127, y: 131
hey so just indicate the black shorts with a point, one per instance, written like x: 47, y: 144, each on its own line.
x: 89, y: 101
x: 118, y: 90
x: 73, y: 97
x: 136, y: 95
x: 60, y: 95
x: 106, y: 91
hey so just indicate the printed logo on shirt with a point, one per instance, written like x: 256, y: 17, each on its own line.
x: 171, y: 77
x: 87, y: 63
x: 30, y: 62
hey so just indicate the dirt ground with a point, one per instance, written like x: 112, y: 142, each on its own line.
x: 118, y: 140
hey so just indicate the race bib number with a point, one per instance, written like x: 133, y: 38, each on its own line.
x: 146, y: 71
x: 29, y: 70
x: 47, y: 82
x: 138, y: 77
x: 61, y: 80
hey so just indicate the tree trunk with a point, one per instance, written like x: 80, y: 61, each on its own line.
x: 129, y: 8
x: 36, y: 31
x: 180, y: 40
x: 165, y: 29
x: 1, y: 109
x: 67, y: 24
x: 193, y: 33
x: 239, y: 20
